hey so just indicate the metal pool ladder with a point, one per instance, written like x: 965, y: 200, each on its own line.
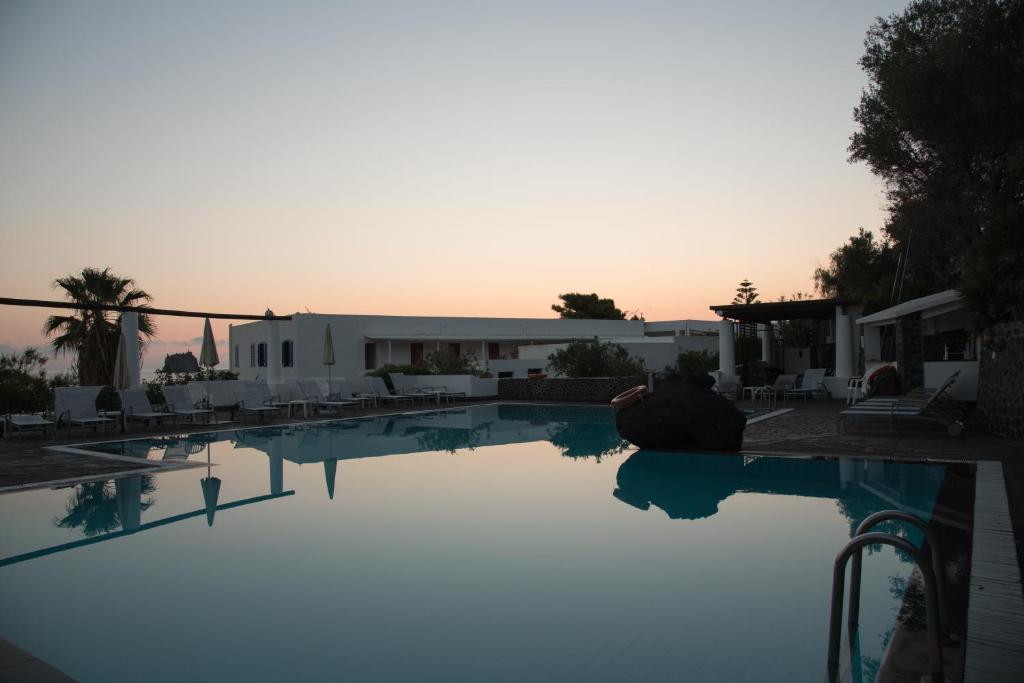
x: 931, y: 569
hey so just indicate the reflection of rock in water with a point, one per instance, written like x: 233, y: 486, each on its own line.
x: 691, y: 485
x: 683, y: 416
x: 678, y: 484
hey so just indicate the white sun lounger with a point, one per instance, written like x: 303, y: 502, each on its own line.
x: 136, y: 406
x: 77, y: 406
x: 179, y: 402
x: 311, y: 390
x: 938, y: 408
x: 25, y: 424
x: 251, y: 402
x: 379, y: 388
x: 813, y: 382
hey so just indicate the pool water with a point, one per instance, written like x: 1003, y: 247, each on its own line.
x: 496, y: 542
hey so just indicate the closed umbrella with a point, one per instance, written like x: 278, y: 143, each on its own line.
x: 208, y: 359
x: 328, y: 355
x: 122, y: 378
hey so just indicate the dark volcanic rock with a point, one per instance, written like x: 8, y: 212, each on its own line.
x: 683, y: 416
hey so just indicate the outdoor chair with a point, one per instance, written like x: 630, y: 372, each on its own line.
x: 311, y: 391
x: 27, y: 424
x: 858, y: 387
x: 179, y: 402
x: 379, y: 388
x: 341, y: 389
x: 135, y: 405
x: 937, y: 407
x: 77, y: 406
x: 726, y: 385
x: 812, y: 383
x: 251, y: 402
x: 776, y: 389
x: 404, y: 384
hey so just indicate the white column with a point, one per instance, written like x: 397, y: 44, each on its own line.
x: 872, y: 342
x: 389, y: 352
x: 483, y: 354
x: 274, y: 353
x: 726, y: 349
x: 130, y: 329
x: 844, y: 344
x: 766, y: 343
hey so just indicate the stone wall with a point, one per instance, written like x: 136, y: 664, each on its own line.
x: 581, y: 389
x: 910, y: 351
x: 1001, y: 381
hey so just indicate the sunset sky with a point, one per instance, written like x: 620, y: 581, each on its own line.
x: 427, y: 158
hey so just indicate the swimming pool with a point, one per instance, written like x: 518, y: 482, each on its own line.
x: 493, y: 542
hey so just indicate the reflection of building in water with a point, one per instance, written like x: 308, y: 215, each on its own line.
x: 690, y: 486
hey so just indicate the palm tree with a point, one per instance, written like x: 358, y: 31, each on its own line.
x: 91, y: 335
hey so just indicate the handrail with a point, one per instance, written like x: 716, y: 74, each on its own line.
x: 936, y: 561
x: 838, y: 580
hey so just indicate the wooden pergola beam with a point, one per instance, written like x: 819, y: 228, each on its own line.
x: 40, y: 303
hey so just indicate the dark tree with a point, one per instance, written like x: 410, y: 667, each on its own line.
x: 589, y: 306
x: 746, y: 293
x: 90, y: 335
x: 942, y: 124
x: 861, y: 269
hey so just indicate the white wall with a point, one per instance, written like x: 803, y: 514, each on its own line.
x: 350, y: 333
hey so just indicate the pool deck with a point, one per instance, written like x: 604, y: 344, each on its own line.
x: 995, y: 640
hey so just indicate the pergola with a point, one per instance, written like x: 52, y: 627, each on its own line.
x: 764, y: 314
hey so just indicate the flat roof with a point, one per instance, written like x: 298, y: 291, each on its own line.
x: 929, y: 307
x: 782, y: 310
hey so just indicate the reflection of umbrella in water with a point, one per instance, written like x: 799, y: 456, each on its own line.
x: 211, y: 490
x: 330, y: 472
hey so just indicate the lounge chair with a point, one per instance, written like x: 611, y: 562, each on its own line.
x: 777, y: 388
x: 77, y: 406
x: 379, y: 388
x: 341, y: 390
x: 251, y: 402
x: 405, y: 385
x: 180, y: 403
x: 812, y: 383
x: 311, y: 391
x: 136, y: 406
x: 726, y: 385
x: 936, y: 406
x: 25, y: 424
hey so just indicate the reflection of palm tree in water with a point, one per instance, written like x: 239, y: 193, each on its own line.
x: 96, y: 507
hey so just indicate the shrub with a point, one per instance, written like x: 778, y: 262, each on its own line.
x: 690, y: 362
x: 447, y: 363
x: 595, y: 359
x: 23, y: 384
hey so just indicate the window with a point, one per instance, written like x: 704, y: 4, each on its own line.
x: 236, y: 363
x: 286, y: 353
x: 252, y: 355
x: 416, y: 353
x: 370, y: 353
x: 455, y: 348
x: 493, y: 351
x: 261, y: 354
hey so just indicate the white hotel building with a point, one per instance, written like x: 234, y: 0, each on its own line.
x: 282, y: 350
